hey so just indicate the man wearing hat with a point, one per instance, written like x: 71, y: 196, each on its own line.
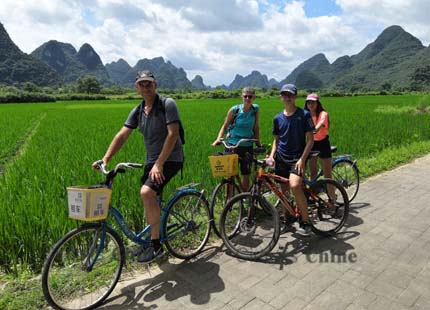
x: 158, y: 120
x: 293, y: 130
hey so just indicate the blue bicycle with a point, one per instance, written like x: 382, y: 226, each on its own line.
x: 84, y: 266
x: 344, y: 171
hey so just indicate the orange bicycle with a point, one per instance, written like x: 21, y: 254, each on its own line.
x: 250, y: 224
x: 229, y: 185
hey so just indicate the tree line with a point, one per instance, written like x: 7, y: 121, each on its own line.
x: 90, y: 88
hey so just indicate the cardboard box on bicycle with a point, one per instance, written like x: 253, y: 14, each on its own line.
x: 224, y: 165
x: 88, y: 204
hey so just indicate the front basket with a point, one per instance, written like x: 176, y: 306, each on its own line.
x: 88, y: 204
x: 224, y: 165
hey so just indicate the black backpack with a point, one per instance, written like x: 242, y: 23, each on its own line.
x: 181, y: 128
x: 162, y: 108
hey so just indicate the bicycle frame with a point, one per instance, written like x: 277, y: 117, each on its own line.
x: 84, y: 266
x: 268, y: 178
x: 137, y: 238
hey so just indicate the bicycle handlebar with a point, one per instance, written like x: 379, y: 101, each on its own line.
x: 101, y: 166
x: 232, y: 147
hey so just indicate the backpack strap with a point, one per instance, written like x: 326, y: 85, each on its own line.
x: 162, y: 101
x: 235, y: 111
x: 140, y: 107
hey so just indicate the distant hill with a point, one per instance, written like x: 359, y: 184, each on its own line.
x: 222, y: 86
x: 393, y: 61
x: 197, y: 83
x: 273, y: 83
x: 167, y: 75
x: 117, y: 70
x: 70, y: 64
x: 18, y: 67
x: 93, y: 64
x: 255, y: 79
x: 317, y: 63
x: 396, y: 60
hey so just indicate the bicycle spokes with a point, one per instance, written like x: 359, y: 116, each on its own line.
x: 247, y: 230
x: 187, y: 225
x: 328, y: 206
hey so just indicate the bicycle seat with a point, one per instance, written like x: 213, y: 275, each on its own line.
x: 333, y: 149
x: 259, y: 150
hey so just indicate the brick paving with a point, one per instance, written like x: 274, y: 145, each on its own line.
x: 380, y: 260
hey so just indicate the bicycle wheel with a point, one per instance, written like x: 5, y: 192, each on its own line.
x: 327, y: 216
x: 346, y: 173
x: 83, y: 268
x: 248, y: 231
x: 270, y: 196
x: 186, y: 225
x: 222, y: 192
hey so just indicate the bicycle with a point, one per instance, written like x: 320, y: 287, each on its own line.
x: 345, y: 171
x: 84, y: 266
x: 250, y: 224
x: 229, y: 186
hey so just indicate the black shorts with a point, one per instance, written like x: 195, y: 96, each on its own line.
x: 323, y: 146
x: 285, y: 165
x: 245, y: 160
x: 170, y: 169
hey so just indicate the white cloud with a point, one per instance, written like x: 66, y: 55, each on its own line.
x: 215, y: 39
x: 220, y: 15
x: 371, y: 15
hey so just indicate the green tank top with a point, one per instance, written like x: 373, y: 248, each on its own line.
x: 243, y: 124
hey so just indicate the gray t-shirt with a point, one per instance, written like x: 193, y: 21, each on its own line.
x: 154, y: 128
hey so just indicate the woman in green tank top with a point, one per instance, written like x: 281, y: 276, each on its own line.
x: 241, y: 122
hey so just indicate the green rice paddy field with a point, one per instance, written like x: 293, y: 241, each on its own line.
x: 46, y: 147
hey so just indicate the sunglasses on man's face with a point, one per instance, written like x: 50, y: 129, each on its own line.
x: 248, y: 96
x: 145, y: 84
x: 287, y: 94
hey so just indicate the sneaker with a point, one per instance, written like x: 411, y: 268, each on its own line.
x: 137, y: 250
x: 149, y: 254
x: 304, y: 230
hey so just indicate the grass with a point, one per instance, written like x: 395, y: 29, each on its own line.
x: 23, y: 292
x: 40, y: 156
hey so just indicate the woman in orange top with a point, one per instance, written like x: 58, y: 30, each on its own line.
x: 321, y: 141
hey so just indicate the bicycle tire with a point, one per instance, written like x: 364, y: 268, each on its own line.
x: 66, y: 281
x: 187, y: 225
x: 346, y: 173
x: 241, y: 236
x: 327, y: 220
x: 218, y: 200
x: 270, y: 196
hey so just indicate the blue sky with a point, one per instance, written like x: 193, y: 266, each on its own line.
x: 315, y: 8
x: 214, y: 38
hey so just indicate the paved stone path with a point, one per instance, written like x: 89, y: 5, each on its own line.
x: 381, y: 260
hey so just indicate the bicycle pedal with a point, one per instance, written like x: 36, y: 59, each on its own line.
x: 285, y: 227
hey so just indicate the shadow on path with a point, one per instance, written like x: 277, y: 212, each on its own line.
x: 174, y: 282
x: 317, y: 247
